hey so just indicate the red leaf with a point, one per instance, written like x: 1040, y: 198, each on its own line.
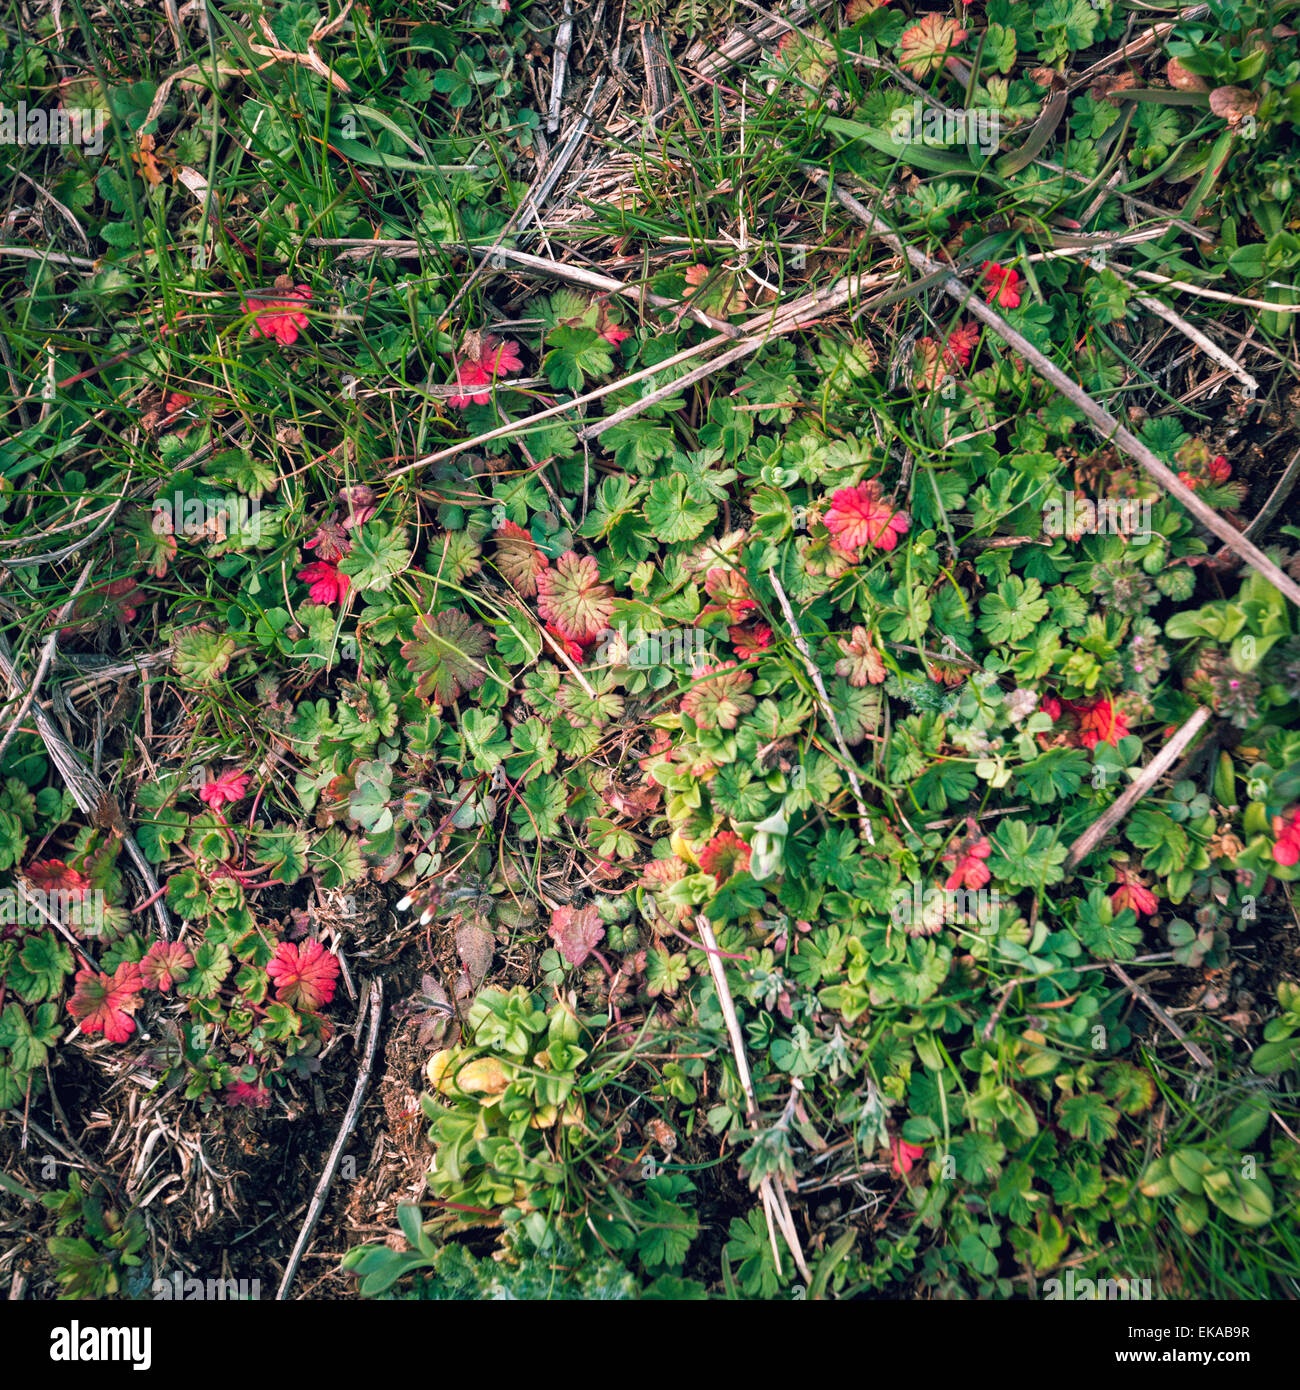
x: 280, y: 319
x: 241, y: 1093
x: 330, y: 543
x: 325, y: 582
x: 54, y: 876
x: 750, y: 640
x: 1099, y: 722
x: 730, y: 593
x: 572, y: 599
x: 971, y: 870
x: 860, y: 516
x: 304, y: 975
x: 165, y: 963
x: 1286, y: 832
x: 725, y: 856
x: 518, y: 558
x: 103, y: 1003
x: 1004, y: 285
x: 577, y: 932
x: 231, y: 786
x: 481, y: 360
x: 1134, y: 894
x: 961, y: 343
x: 905, y: 1155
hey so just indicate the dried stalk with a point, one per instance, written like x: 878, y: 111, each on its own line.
x: 776, y: 1206
x: 336, y: 1153
x: 1136, y: 990
x: 864, y: 822
x: 1123, y: 804
x: 87, y: 790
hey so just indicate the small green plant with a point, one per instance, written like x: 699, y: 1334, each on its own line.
x: 96, y: 1242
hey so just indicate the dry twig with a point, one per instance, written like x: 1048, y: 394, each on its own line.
x: 776, y: 1206
x: 336, y: 1153
x: 823, y: 699
x: 1124, y: 803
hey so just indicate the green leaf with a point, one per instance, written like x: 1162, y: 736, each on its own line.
x: 284, y: 852
x: 1248, y: 1200
x: 665, y: 972
x: 576, y: 353
x: 186, y: 895
x: 1012, y: 612
x: 1027, y: 856
x: 335, y: 858
x: 42, y: 965
x: 211, y: 966
x: 379, y: 554
x: 29, y: 1041
x: 201, y: 656
x: 446, y: 652
x: 673, y: 514
x: 1088, y: 1117
x: 533, y: 739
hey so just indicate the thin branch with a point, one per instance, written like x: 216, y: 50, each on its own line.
x: 864, y: 821
x: 1124, y: 803
x: 47, y: 656
x: 336, y: 1153
x: 1207, y: 345
x: 776, y: 1206
x: 1275, y: 499
x: 87, y: 790
x: 1136, y: 990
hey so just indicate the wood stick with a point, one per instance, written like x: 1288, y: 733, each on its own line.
x: 336, y: 1153
x: 776, y: 1207
x: 864, y: 821
x: 1136, y: 990
x: 1123, y: 804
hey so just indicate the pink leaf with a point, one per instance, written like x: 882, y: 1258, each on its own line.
x: 103, y: 1003
x: 573, y: 600
x: 861, y: 516
x: 304, y: 975
x: 230, y: 787
x: 279, y: 319
x: 971, y: 870
x: 326, y: 584
x: 165, y: 963
x: 241, y: 1093
x: 577, y: 932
